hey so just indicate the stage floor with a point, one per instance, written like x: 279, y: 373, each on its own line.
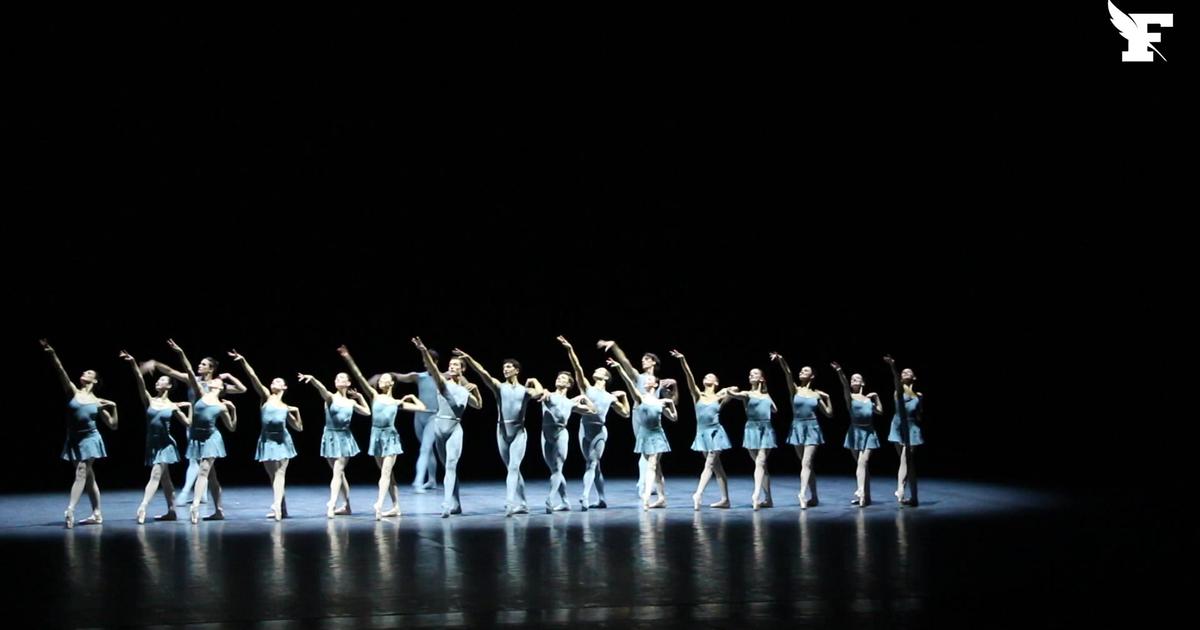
x: 967, y: 553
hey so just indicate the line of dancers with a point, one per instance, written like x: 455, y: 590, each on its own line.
x: 438, y: 406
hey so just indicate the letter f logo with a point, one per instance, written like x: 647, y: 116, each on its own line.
x: 1134, y: 28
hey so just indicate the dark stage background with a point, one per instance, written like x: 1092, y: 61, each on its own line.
x: 972, y: 191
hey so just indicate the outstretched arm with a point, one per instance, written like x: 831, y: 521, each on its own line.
x: 576, y: 367
x: 491, y: 382
x: 63, y: 379
x: 357, y: 373
x: 318, y: 385
x: 687, y: 374
x: 629, y: 382
x: 143, y: 395
x: 259, y: 388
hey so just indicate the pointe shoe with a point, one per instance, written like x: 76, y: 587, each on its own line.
x: 277, y: 513
x: 378, y: 511
x: 660, y: 503
x: 695, y: 503
x: 342, y: 511
x: 524, y: 509
x: 599, y: 505
x: 329, y: 513
x: 194, y: 513
x: 95, y: 518
x: 549, y: 508
x: 508, y: 511
x: 141, y: 514
x: 217, y: 515
x: 169, y: 515
x: 69, y: 515
x: 723, y: 504
x: 445, y: 512
x: 909, y: 502
x: 754, y: 502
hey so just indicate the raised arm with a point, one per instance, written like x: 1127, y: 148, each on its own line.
x: 896, y: 382
x: 357, y: 373
x: 163, y: 368
x: 68, y: 387
x: 629, y: 382
x: 618, y: 354
x: 580, y: 377
x: 687, y: 375
x: 491, y: 382
x: 259, y: 388
x: 787, y: 373
x: 406, y: 377
x: 192, y: 381
x: 137, y: 375
x: 318, y: 385
x: 845, y: 384
x: 430, y: 365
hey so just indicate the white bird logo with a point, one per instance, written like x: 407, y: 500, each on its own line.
x: 1129, y: 27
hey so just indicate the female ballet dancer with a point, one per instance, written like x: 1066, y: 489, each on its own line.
x: 860, y: 435
x: 205, y: 443
x: 805, y: 435
x: 275, y: 448
x: 384, y: 444
x: 161, y: 450
x: 206, y: 370
x: 906, y: 431
x: 650, y: 367
x: 711, y: 438
x: 83, y: 445
x: 337, y: 442
x: 759, y: 436
x: 651, y: 442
